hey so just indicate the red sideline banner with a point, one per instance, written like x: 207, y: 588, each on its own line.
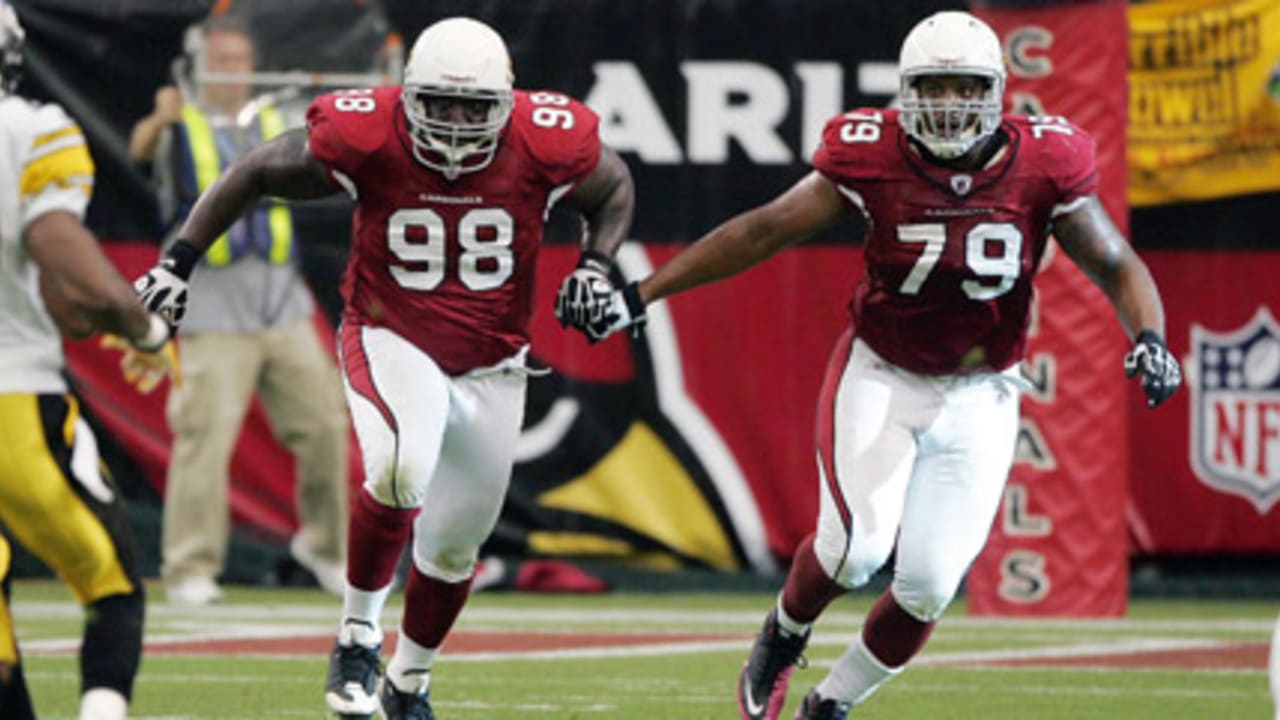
x: 1206, y: 469
x: 1058, y: 544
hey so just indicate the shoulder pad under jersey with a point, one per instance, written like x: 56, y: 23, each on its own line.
x: 560, y: 134
x: 1063, y: 151
x: 857, y: 144
x: 344, y: 128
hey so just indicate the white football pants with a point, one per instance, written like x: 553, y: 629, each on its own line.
x: 913, y: 459
x: 445, y: 444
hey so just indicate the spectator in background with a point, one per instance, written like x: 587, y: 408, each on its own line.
x: 251, y: 329
x: 54, y: 499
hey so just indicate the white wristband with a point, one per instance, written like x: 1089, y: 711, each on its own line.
x: 157, y: 335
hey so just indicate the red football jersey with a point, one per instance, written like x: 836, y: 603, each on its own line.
x: 950, y: 255
x: 449, y: 266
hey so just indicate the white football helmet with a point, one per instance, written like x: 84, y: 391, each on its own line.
x: 457, y: 95
x: 12, y: 38
x: 951, y: 43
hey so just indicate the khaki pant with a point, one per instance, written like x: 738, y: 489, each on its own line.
x: 299, y: 386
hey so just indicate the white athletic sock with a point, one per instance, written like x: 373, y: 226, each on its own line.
x: 855, y: 675
x: 789, y: 624
x: 410, y: 666
x: 361, y: 616
x: 103, y: 704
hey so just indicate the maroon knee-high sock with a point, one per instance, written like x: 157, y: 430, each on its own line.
x: 431, y: 606
x: 808, y: 590
x: 891, y: 634
x: 377, y: 535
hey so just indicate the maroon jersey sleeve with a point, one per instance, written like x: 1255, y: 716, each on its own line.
x: 854, y: 145
x: 346, y: 128
x: 560, y: 134
x: 1066, y: 154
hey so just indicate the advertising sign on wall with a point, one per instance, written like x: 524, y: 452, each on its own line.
x: 1204, y: 106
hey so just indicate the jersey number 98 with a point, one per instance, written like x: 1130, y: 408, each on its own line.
x: 551, y: 111
x: 482, y: 264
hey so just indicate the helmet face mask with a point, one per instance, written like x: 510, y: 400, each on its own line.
x: 12, y: 39
x: 949, y: 113
x: 455, y: 131
x: 952, y: 83
x: 457, y: 96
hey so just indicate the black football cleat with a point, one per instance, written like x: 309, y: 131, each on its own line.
x: 814, y: 707
x: 396, y: 705
x: 351, y: 685
x: 762, y: 686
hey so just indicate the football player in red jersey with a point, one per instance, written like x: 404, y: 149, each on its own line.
x: 452, y: 175
x: 919, y: 410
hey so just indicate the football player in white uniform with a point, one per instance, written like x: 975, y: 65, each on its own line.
x: 53, y: 498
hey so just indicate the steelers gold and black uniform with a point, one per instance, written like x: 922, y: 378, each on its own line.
x: 54, y: 498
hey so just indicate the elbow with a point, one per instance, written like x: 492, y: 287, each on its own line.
x: 612, y: 217
x: 621, y: 201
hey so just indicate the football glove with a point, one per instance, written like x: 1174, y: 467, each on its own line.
x: 582, y: 297
x: 144, y: 370
x: 624, y: 309
x: 584, y: 291
x: 163, y: 290
x: 1157, y: 367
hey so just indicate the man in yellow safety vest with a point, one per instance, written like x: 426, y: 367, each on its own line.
x: 251, y: 329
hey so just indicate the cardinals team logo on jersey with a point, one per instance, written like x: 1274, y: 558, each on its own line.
x: 961, y: 184
x: 1235, y: 409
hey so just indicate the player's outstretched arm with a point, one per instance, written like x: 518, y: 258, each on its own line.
x: 810, y: 206
x: 1089, y: 238
x: 85, y: 283
x: 283, y: 167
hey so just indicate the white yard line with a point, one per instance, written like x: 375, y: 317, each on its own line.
x: 909, y: 683
x: 209, y: 632
x: 630, y: 616
x: 1089, y: 690
x: 617, y: 651
x: 243, y: 622
x: 1107, y: 670
x: 1123, y: 646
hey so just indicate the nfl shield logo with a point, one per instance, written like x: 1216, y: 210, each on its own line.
x: 962, y: 184
x: 1235, y: 409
